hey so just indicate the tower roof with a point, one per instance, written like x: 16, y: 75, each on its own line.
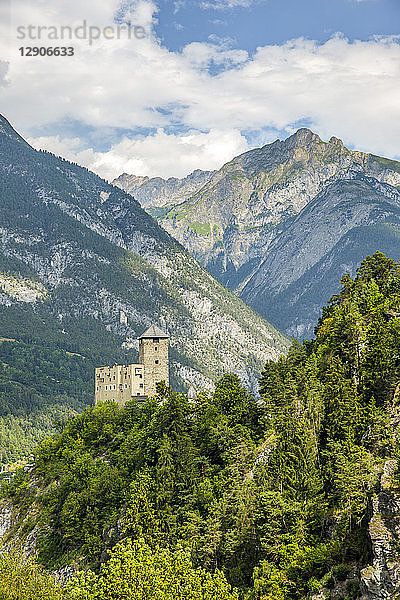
x: 154, y: 332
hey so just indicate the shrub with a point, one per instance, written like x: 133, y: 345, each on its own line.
x: 136, y: 572
x: 21, y: 578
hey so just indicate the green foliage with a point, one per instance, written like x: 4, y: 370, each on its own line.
x: 328, y: 404
x: 133, y: 572
x: 136, y: 572
x: 23, y: 579
x: 274, y: 494
x: 39, y: 386
x: 168, y: 465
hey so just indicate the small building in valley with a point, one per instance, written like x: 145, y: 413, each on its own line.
x: 122, y: 383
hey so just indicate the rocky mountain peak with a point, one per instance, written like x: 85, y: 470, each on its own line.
x: 301, y: 138
x: 126, y: 179
x: 334, y: 141
x: 156, y: 191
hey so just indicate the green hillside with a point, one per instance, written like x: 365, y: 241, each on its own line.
x: 290, y: 497
x: 40, y: 386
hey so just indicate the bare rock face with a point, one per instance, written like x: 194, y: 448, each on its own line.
x: 381, y: 580
x: 5, y: 517
x: 350, y: 219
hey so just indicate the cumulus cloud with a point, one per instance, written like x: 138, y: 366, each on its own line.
x: 342, y: 88
x: 160, y: 154
x: 202, y: 55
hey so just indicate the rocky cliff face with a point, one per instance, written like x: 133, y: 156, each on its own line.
x: 381, y: 579
x: 242, y: 223
x: 76, y: 251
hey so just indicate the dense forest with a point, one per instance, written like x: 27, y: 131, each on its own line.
x: 226, y: 497
x: 39, y: 386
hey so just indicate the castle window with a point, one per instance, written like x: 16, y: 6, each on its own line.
x: 138, y: 394
x: 156, y: 348
x: 97, y: 388
x: 156, y: 340
x: 126, y: 386
x: 141, y: 385
x: 157, y: 361
x: 106, y: 387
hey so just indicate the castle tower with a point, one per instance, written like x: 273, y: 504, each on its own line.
x: 153, y: 354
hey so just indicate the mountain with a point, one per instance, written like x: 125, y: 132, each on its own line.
x: 250, y: 224
x: 76, y: 252
x: 157, y: 192
x: 348, y: 220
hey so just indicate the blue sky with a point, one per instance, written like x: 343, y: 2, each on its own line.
x: 212, y: 79
x: 275, y: 21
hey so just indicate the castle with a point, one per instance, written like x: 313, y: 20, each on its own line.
x: 122, y: 383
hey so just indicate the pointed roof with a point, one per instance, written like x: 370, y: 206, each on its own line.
x: 154, y: 332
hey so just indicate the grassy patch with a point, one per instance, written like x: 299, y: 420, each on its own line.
x: 201, y: 228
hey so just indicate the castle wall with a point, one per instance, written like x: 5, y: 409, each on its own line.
x: 120, y: 383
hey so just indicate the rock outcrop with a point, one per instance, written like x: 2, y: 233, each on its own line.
x: 381, y: 579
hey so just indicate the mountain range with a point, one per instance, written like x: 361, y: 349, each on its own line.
x: 78, y: 255
x: 156, y: 192
x: 279, y: 225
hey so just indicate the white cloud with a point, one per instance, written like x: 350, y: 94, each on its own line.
x: 160, y: 154
x: 3, y: 73
x: 178, y: 5
x: 351, y: 90
x: 201, y: 55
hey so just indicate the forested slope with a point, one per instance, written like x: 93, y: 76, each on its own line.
x: 40, y: 386
x: 283, y: 496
